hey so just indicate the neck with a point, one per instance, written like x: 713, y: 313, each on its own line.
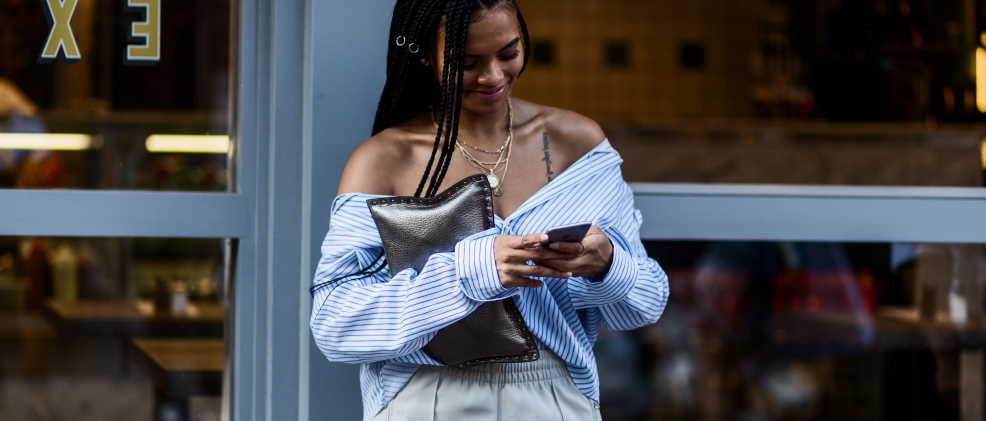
x: 484, y: 129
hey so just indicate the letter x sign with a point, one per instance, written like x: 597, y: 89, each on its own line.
x: 61, y: 39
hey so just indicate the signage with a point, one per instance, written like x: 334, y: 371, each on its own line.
x: 144, y: 37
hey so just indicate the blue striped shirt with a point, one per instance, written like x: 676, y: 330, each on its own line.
x: 383, y: 321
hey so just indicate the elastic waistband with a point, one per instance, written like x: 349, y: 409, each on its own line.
x: 548, y: 367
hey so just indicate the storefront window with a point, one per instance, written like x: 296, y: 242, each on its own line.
x: 114, y: 95
x: 111, y: 328
x: 805, y: 331
x: 110, y: 94
x: 848, y: 92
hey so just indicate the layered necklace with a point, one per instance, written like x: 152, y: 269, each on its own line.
x: 490, y: 168
x: 502, y: 154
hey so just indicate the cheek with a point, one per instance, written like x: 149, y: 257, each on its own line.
x: 470, y: 80
x: 512, y: 69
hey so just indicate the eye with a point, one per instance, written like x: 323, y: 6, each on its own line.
x: 510, y: 56
x: 469, y: 64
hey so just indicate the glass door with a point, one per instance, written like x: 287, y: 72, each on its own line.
x: 120, y: 221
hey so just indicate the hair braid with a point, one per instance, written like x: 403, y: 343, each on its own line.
x: 401, y: 65
x: 457, y: 16
x: 441, y: 120
x: 525, y: 38
x: 426, y: 10
x: 458, y: 42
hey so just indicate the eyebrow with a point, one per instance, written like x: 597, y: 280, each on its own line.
x: 509, y: 45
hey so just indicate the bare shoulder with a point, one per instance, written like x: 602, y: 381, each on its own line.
x: 573, y: 133
x: 363, y: 174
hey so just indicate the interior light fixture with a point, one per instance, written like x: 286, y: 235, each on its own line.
x: 46, y: 141
x: 180, y: 143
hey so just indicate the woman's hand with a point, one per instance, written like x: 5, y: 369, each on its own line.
x: 512, y: 254
x: 589, y: 258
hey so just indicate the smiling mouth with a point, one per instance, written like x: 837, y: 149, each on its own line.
x: 493, y: 92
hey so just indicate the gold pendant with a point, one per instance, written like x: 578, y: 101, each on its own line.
x: 494, y: 181
x: 494, y: 184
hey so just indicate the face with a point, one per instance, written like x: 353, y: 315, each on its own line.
x: 494, y: 58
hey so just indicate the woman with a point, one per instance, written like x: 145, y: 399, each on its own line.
x: 446, y: 113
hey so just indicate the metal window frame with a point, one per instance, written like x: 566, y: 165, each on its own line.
x: 811, y: 213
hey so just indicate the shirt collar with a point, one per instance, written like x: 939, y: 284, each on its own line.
x: 599, y: 158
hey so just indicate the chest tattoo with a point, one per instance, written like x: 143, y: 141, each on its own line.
x: 547, y: 157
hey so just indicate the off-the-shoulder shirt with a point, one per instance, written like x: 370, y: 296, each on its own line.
x: 384, y: 321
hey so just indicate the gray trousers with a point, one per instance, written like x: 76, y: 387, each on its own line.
x: 540, y: 390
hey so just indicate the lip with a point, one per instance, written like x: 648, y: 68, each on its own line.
x: 492, y: 95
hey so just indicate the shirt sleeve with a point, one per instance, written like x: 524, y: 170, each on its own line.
x: 383, y: 317
x: 634, y: 292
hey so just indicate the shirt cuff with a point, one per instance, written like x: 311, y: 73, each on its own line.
x: 613, y: 287
x: 475, y: 266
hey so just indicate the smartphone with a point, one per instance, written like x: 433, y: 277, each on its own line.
x: 568, y: 233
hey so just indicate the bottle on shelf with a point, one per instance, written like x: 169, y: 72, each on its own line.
x: 65, y: 272
x: 179, y: 298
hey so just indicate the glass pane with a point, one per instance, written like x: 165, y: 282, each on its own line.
x: 111, y: 329
x: 98, y: 95
x: 805, y: 331
x: 859, y: 92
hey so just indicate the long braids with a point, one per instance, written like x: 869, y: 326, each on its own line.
x: 458, y: 15
x: 410, y: 85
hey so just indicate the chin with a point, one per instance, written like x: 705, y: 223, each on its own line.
x: 479, y: 103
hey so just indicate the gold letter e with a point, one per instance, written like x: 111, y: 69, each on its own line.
x: 149, y: 30
x: 61, y: 37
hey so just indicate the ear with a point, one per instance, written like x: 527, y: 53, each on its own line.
x: 425, y: 62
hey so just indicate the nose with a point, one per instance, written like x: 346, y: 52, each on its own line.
x: 492, y: 75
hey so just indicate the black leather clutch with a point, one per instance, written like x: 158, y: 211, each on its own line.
x: 412, y: 229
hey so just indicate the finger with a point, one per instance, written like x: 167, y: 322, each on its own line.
x: 558, y: 265
x: 568, y: 248
x: 522, y: 256
x: 532, y: 240
x: 544, y: 254
x: 539, y: 271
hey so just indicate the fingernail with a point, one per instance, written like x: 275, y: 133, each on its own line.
x: 544, y: 237
x: 568, y: 274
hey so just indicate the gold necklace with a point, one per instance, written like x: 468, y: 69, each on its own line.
x: 473, y: 158
x: 496, y: 183
x: 478, y: 149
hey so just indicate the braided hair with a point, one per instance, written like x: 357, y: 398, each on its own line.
x: 411, y: 86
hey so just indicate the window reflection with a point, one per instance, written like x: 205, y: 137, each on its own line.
x: 111, y: 328
x: 862, y: 92
x: 806, y: 331
x: 117, y: 103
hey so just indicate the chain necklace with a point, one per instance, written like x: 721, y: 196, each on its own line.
x: 503, y: 153
x: 503, y: 156
x: 472, y: 158
x: 498, y: 151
